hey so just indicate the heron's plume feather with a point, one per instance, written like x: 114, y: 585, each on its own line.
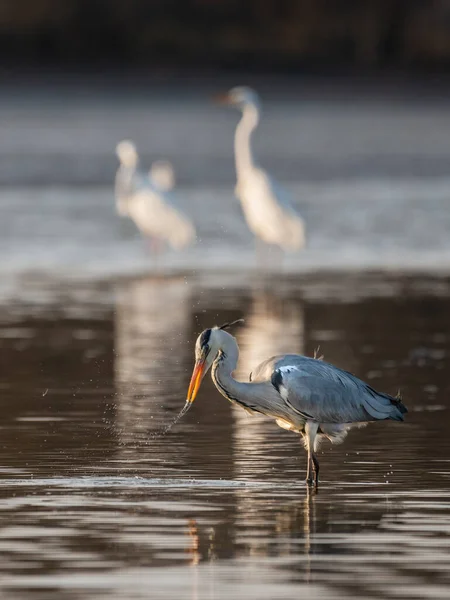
x: 316, y: 354
x: 231, y: 323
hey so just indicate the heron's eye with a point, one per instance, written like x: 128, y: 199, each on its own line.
x: 204, y: 338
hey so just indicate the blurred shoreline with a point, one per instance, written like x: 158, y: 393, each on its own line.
x: 60, y: 128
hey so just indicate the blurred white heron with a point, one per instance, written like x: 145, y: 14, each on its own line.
x: 266, y: 205
x: 146, y: 199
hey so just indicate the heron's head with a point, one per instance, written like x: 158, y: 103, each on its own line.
x: 208, y: 345
x: 239, y: 97
x: 127, y: 153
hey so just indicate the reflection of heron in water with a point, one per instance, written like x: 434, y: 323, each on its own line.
x: 282, y: 528
x: 272, y: 326
x: 147, y: 200
x: 193, y: 548
x: 295, y: 520
x: 201, y: 548
x: 151, y: 327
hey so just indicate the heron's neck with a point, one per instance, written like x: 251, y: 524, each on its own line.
x: 237, y: 392
x: 258, y: 397
x: 242, y: 139
x: 221, y: 373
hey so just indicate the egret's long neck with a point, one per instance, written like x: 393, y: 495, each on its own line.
x: 123, y: 187
x: 242, y: 140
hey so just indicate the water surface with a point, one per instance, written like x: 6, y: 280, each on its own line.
x: 93, y: 505
x: 96, y: 348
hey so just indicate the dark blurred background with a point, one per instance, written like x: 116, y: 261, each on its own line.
x: 243, y: 34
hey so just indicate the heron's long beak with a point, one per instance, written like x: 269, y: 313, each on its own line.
x: 222, y: 98
x: 197, y: 375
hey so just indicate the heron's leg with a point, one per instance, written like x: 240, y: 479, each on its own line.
x: 309, y: 472
x: 316, y: 468
x: 311, y: 431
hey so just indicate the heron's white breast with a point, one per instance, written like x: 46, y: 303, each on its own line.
x: 289, y: 426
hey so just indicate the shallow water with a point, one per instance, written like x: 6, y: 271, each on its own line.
x: 96, y: 351
x: 74, y: 233
x: 93, y: 505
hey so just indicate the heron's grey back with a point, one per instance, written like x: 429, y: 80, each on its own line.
x: 325, y: 393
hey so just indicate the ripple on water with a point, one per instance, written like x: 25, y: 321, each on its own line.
x: 91, y: 504
x: 133, y: 482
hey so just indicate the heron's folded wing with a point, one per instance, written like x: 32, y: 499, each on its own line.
x: 322, y: 390
x: 346, y: 400
x: 321, y: 400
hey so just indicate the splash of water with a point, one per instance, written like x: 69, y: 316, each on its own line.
x: 167, y: 428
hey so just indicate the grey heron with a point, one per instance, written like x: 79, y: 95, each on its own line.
x: 265, y: 203
x: 304, y: 395
x: 147, y: 201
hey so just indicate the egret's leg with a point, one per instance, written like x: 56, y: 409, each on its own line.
x: 148, y: 243
x: 156, y: 247
x: 311, y: 431
x: 277, y: 261
x: 260, y: 252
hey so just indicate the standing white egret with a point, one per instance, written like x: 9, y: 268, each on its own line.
x: 147, y: 200
x: 305, y: 395
x: 266, y: 205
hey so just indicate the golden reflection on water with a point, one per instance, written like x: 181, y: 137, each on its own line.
x: 152, y: 319
x: 273, y: 325
x: 194, y: 542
